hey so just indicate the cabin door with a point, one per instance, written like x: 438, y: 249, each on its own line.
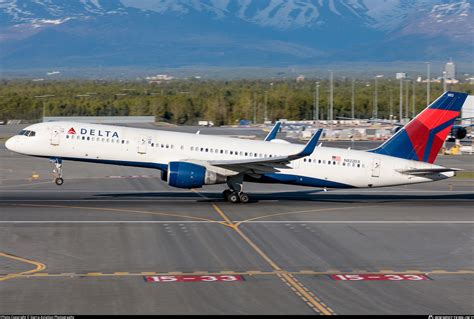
x: 55, y: 135
x: 376, y: 167
x: 142, y: 144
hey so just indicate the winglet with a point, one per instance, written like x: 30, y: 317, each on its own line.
x: 311, y: 145
x: 273, y: 133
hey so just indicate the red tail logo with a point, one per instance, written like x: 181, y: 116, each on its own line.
x: 71, y: 131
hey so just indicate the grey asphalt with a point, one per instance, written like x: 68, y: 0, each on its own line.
x: 107, y: 225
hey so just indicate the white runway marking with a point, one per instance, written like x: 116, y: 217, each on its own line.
x: 249, y: 222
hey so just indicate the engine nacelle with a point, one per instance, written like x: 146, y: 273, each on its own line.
x: 459, y: 133
x: 396, y: 129
x: 190, y: 175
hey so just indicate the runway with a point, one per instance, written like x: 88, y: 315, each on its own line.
x: 89, y: 246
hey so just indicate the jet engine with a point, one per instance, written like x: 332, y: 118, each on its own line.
x: 459, y: 133
x: 190, y: 175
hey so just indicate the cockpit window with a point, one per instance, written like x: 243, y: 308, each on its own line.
x: 27, y: 133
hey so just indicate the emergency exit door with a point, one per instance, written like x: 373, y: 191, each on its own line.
x: 142, y: 145
x: 376, y: 167
x: 55, y: 135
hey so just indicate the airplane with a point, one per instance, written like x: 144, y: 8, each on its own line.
x: 191, y: 161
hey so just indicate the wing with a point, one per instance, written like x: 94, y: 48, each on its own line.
x: 268, y: 164
x: 273, y: 133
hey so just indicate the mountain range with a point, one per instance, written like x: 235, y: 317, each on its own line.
x: 173, y: 33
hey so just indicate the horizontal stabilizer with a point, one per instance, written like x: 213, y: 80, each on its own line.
x: 426, y: 171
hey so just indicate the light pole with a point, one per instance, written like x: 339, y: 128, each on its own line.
x: 391, y: 105
x: 353, y: 100
x: 316, y: 102
x: 428, y: 76
x: 376, y: 97
x: 254, y: 108
x: 43, y: 97
x: 400, y: 76
x: 331, y: 97
x: 445, y: 86
x: 265, y: 110
x: 407, y: 81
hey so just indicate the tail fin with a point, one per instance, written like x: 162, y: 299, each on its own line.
x: 422, y: 138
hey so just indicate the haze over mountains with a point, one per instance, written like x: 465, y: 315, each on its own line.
x: 172, y: 33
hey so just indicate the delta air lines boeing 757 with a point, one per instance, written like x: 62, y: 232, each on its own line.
x: 193, y: 160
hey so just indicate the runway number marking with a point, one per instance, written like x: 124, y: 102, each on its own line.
x: 380, y: 277
x: 183, y: 278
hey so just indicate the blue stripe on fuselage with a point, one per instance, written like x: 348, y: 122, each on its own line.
x: 277, y: 178
x: 280, y: 178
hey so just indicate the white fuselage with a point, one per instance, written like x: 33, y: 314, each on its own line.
x: 326, y: 167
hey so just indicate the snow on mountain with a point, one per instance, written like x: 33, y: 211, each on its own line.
x: 453, y: 19
x: 238, y: 32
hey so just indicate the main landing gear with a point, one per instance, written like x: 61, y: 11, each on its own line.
x: 58, y: 171
x: 235, y: 194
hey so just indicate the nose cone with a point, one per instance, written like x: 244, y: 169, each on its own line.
x: 10, y: 144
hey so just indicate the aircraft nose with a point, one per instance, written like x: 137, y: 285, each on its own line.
x: 10, y: 144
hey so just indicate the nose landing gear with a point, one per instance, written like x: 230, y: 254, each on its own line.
x: 58, y: 171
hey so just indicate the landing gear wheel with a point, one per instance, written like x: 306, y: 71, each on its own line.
x: 233, y: 197
x: 244, y: 198
x: 226, y: 193
x: 59, y: 181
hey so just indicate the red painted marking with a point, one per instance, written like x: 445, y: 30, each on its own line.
x: 388, y: 277
x: 180, y: 278
x: 71, y: 131
x: 438, y: 141
x: 419, y: 129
